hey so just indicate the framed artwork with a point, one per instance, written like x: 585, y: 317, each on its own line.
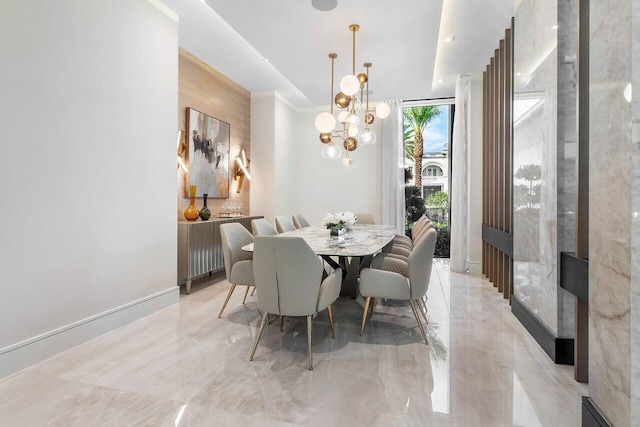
x: 209, y: 140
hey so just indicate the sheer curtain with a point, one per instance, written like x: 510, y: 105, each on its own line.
x: 391, y: 166
x: 458, y: 243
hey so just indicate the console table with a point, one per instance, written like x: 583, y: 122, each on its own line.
x: 200, y: 247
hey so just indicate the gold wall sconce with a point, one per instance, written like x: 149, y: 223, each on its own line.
x: 182, y: 149
x: 242, y: 163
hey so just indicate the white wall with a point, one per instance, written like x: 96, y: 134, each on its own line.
x: 273, y: 156
x: 286, y: 159
x: 88, y: 119
x: 474, y: 177
x: 329, y: 186
x: 262, y: 155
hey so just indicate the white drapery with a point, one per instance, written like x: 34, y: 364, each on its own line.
x: 391, y: 166
x: 458, y: 244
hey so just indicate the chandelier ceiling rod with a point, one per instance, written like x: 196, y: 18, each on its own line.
x: 333, y: 57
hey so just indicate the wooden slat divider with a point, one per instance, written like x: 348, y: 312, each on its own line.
x: 497, y: 176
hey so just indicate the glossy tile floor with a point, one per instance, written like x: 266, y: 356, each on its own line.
x: 185, y: 367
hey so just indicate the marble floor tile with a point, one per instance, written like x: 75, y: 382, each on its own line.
x: 183, y: 366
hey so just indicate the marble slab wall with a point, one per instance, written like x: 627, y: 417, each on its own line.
x: 635, y: 216
x: 544, y: 156
x: 610, y: 210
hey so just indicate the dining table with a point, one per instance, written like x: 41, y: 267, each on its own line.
x: 354, y: 249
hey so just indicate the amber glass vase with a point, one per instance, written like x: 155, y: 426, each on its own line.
x: 192, y: 213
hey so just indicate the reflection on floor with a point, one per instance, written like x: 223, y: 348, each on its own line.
x: 183, y: 366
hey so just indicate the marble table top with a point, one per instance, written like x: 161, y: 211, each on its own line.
x: 364, y: 239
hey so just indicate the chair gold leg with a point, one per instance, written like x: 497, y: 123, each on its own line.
x: 262, y: 325
x: 226, y: 300
x: 422, y: 310
x: 281, y: 323
x: 245, y: 295
x: 309, y: 325
x: 364, y: 314
x: 415, y: 314
x: 253, y: 291
x: 374, y: 302
x: 330, y: 313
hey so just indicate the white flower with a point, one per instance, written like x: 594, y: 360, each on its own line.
x: 339, y: 219
x: 348, y: 218
x: 330, y: 219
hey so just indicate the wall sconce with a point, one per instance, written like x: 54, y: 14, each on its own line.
x: 182, y: 148
x: 242, y: 163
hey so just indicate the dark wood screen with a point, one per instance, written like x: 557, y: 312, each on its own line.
x: 497, y: 204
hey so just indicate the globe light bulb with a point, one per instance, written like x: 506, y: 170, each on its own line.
x: 353, y: 120
x: 368, y: 137
x: 342, y: 117
x: 331, y: 152
x: 325, y: 122
x: 353, y: 130
x: 382, y: 110
x: 350, y: 85
x: 347, y: 161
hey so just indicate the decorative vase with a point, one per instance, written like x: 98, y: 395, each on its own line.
x: 337, y: 231
x: 205, y: 213
x: 192, y: 213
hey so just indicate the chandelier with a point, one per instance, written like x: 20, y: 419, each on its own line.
x: 348, y: 131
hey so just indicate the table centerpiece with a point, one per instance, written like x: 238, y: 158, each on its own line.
x: 339, y: 222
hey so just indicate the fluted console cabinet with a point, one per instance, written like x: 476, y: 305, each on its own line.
x: 200, y: 247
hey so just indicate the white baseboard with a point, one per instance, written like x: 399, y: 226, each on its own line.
x: 475, y: 268
x: 33, y: 350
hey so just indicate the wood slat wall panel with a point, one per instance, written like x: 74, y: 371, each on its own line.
x: 497, y: 176
x: 210, y: 92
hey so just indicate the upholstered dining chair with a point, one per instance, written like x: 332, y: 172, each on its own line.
x: 402, y: 246
x: 237, y: 263
x: 289, y: 283
x: 394, y: 278
x: 365, y: 218
x: 262, y: 227
x: 299, y: 221
x: 283, y: 224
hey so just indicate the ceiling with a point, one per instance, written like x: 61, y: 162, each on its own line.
x: 283, y: 45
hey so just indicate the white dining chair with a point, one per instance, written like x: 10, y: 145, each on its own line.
x: 299, y: 221
x: 283, y: 224
x: 237, y: 263
x: 365, y: 218
x: 262, y: 227
x: 289, y: 283
x: 394, y: 278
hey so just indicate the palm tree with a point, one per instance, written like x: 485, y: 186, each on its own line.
x: 407, y: 136
x: 417, y: 118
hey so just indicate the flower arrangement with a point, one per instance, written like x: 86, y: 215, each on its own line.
x: 339, y: 222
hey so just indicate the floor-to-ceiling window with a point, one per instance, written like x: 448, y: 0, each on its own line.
x: 427, y: 138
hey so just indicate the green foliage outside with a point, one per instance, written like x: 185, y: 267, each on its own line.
x: 438, y: 206
x: 443, y: 241
x: 414, y: 205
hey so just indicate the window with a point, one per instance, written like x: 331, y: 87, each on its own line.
x: 432, y: 170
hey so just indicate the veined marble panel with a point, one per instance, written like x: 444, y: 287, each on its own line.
x: 535, y: 158
x: 635, y: 221
x: 566, y: 153
x: 610, y: 209
x: 545, y: 156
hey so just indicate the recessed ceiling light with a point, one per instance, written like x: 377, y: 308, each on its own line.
x: 555, y: 27
x: 518, y: 74
x: 201, y: 1
x: 442, y: 80
x: 449, y: 39
x: 265, y: 60
x: 324, y: 5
